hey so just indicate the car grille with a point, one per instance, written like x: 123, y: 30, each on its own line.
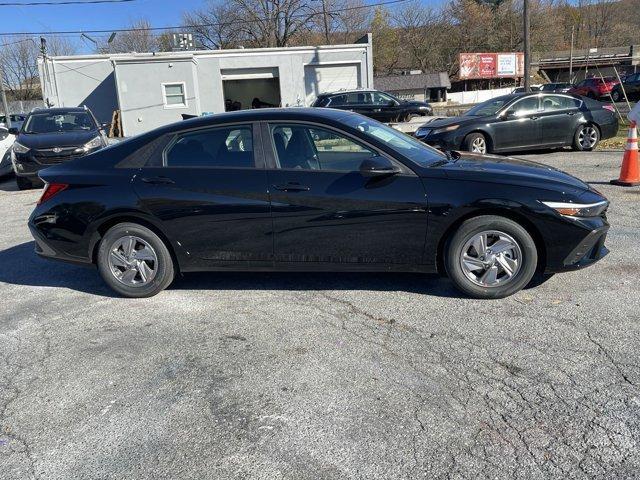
x: 49, y: 156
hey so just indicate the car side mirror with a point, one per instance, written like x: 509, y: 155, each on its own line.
x: 378, y: 167
x: 14, y: 131
x: 4, y: 133
x: 509, y: 115
x: 393, y: 103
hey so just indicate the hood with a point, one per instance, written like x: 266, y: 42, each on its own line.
x: 445, y: 122
x: 50, y: 140
x: 513, y: 171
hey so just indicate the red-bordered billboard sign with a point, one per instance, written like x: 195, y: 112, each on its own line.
x: 491, y: 65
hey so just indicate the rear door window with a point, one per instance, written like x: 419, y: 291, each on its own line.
x: 559, y: 102
x: 224, y: 147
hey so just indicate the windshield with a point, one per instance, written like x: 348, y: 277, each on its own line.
x: 410, y: 147
x: 490, y: 107
x: 59, y: 123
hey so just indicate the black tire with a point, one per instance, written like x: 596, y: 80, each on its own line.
x: 23, y: 183
x: 475, y: 138
x: 528, y: 257
x: 616, y: 95
x: 586, y: 130
x: 163, y: 267
x: 409, y: 116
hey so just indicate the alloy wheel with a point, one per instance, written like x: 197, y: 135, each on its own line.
x: 588, y: 137
x: 479, y: 145
x: 133, y: 261
x: 491, y: 258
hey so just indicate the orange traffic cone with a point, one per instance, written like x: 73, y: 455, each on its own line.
x: 630, y: 171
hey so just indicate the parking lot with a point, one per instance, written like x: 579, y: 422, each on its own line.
x: 314, y: 376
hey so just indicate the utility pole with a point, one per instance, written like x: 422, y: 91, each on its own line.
x: 326, y: 22
x: 571, y: 57
x: 4, y: 101
x: 527, y: 47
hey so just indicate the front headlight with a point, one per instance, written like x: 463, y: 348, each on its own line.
x: 422, y: 132
x: 19, y: 148
x: 423, y: 107
x: 450, y: 128
x: 91, y: 144
x: 578, y: 209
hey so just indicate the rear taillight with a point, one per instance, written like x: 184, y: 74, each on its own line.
x: 50, y: 190
x: 611, y: 108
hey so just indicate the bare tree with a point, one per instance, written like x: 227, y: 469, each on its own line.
x: 215, y: 26
x: 139, y: 39
x: 19, y: 63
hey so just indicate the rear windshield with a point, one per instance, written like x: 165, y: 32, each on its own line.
x: 59, y: 123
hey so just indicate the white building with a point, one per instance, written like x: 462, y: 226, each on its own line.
x: 151, y: 90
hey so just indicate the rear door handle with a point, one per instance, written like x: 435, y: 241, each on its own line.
x: 534, y: 118
x: 571, y: 113
x: 158, y: 180
x: 292, y: 187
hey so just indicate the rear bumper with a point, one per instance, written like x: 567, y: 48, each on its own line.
x: 609, y: 130
x: 46, y: 248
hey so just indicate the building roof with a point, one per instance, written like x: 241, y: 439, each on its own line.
x: 191, y: 54
x: 394, y: 83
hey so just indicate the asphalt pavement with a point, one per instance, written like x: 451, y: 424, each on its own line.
x: 321, y: 376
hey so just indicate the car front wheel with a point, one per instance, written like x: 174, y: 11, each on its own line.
x: 491, y: 257
x: 476, y: 143
x: 134, y: 261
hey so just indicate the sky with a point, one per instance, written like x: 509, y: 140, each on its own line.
x: 92, y: 17
x: 43, y: 18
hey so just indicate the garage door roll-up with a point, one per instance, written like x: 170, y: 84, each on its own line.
x: 330, y: 78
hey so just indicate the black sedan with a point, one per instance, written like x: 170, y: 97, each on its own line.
x: 312, y: 190
x: 524, y: 122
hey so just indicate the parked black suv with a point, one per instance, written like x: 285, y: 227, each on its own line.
x: 374, y: 104
x: 51, y: 136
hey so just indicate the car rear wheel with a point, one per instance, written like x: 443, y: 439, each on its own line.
x: 134, y: 261
x: 476, y: 143
x: 586, y: 138
x: 491, y: 257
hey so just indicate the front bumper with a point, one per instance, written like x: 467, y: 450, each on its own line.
x: 30, y: 163
x: 578, y: 246
x: 589, y: 251
x: 441, y: 141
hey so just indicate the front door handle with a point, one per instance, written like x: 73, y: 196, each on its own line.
x: 534, y: 118
x: 571, y: 113
x: 158, y: 180
x: 292, y: 187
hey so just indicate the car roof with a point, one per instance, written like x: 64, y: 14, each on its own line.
x: 353, y: 90
x: 261, y: 114
x: 60, y: 110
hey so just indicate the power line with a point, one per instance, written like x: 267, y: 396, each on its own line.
x: 175, y: 27
x: 64, y: 2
